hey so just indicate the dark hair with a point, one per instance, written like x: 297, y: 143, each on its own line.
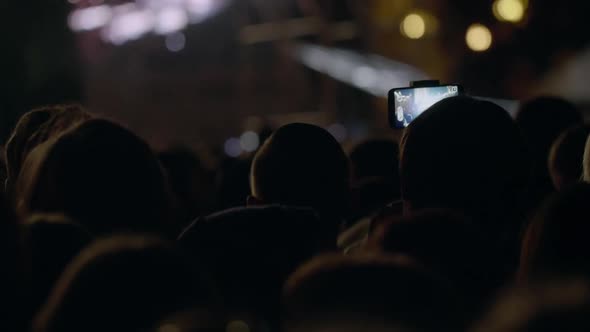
x: 122, y: 283
x: 101, y: 175
x: 53, y: 241
x: 467, y: 155
x: 556, y: 241
x: 562, y: 305
x: 567, y: 155
x: 36, y: 127
x: 302, y: 165
x: 449, y: 244
x: 190, y: 181
x: 337, y: 291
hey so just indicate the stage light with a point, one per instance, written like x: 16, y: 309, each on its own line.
x: 132, y: 20
x: 171, y: 19
x: 509, y: 10
x: 364, y: 77
x: 478, y: 38
x: 129, y: 26
x: 413, y: 26
x: 90, y: 18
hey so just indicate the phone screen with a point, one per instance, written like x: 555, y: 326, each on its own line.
x: 406, y: 104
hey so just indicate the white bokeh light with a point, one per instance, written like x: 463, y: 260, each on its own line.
x: 90, y: 18
x: 232, y: 147
x: 132, y: 20
x: 170, y: 19
x: 250, y: 141
x: 130, y: 26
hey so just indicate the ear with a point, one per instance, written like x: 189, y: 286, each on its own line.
x: 253, y: 201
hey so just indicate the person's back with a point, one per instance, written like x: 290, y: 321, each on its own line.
x: 367, y: 293
x: 124, y: 283
x: 450, y: 245
x: 34, y: 128
x: 466, y: 155
x: 559, y: 305
x: 541, y: 121
x: 566, y: 157
x: 101, y: 175
x: 556, y: 241
x: 303, y: 165
x: 250, y: 252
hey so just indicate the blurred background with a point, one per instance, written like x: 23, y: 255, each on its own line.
x: 215, y: 74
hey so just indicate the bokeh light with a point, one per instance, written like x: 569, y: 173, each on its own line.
x: 175, y: 42
x: 233, y: 147
x: 509, y: 10
x: 249, y: 141
x: 478, y: 38
x: 413, y: 26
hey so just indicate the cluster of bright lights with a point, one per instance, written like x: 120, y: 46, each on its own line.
x: 130, y: 21
x: 479, y: 38
x: 510, y: 10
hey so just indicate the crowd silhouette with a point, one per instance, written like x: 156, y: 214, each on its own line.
x: 474, y: 221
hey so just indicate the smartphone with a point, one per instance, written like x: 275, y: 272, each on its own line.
x: 406, y: 104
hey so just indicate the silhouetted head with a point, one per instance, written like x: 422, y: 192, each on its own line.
x: 121, y: 284
x: 556, y: 241
x: 190, y: 182
x: 562, y: 305
x: 450, y: 245
x: 34, y: 128
x: 53, y: 241
x: 567, y: 155
x: 375, y: 174
x: 99, y: 174
x: 541, y: 121
x: 303, y: 165
x: 367, y: 293
x: 466, y: 155
x: 250, y: 252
